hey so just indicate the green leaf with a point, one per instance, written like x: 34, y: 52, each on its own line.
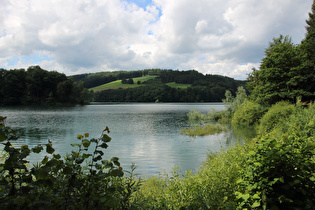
x: 85, y: 156
x: 115, y: 159
x: 3, y: 137
x: 37, y: 149
x: 99, y: 152
x: 97, y: 158
x: 58, y: 156
x: 256, y: 204
x: 94, y: 140
x: 79, y: 160
x: 49, y: 149
x: 116, y: 172
x: 103, y: 145
x: 116, y: 163
x: 107, y: 163
x: 75, y: 145
x: 86, y: 143
x: 106, y: 138
x: 45, y: 160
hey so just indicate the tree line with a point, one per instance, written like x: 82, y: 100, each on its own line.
x: 95, y: 79
x: 204, y: 88
x: 36, y: 86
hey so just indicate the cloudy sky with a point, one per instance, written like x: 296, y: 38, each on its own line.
x: 83, y: 36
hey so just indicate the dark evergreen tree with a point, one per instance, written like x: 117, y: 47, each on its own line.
x: 306, y: 77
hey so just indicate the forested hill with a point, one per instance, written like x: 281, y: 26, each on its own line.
x: 199, y: 87
x: 37, y: 86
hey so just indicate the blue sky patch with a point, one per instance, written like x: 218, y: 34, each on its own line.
x: 141, y: 3
x: 34, y: 59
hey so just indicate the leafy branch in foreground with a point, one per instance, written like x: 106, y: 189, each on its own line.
x: 82, y: 180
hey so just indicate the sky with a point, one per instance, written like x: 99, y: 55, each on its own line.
x: 85, y: 36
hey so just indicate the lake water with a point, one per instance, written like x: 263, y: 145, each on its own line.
x: 145, y: 134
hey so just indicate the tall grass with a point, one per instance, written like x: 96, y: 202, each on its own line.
x: 212, y: 187
x: 207, y: 129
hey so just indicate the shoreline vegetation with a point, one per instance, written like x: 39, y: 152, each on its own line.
x: 273, y: 170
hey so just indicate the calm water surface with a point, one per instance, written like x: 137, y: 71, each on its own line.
x: 145, y: 134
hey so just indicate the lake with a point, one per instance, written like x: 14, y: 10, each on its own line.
x: 147, y: 134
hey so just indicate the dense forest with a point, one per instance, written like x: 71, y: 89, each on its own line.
x: 36, y: 86
x: 204, y: 88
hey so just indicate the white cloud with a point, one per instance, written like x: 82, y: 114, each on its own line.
x: 98, y: 35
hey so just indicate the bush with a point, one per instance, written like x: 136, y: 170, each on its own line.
x: 279, y: 174
x: 247, y: 114
x: 280, y: 169
x: 195, y: 115
x: 277, y: 114
x: 233, y: 103
x: 82, y: 180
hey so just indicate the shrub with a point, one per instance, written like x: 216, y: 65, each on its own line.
x: 247, y: 114
x: 277, y: 114
x: 195, y: 115
x: 279, y: 173
x: 233, y: 103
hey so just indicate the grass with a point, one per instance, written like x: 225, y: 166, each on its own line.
x: 175, y: 85
x: 117, y: 84
x: 212, y: 187
x: 207, y: 129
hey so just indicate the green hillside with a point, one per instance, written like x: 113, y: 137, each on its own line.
x: 119, y: 85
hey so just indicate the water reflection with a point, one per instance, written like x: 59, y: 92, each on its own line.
x: 145, y: 134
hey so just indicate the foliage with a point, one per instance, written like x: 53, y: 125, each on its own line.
x: 308, y: 43
x: 280, y: 169
x: 287, y: 71
x: 195, y: 115
x: 38, y: 86
x: 96, y: 79
x: 175, y: 86
x: 82, y: 180
x: 224, y: 117
x: 280, y: 173
x: 271, y: 83
x: 277, y: 114
x: 207, y: 129
x: 247, y: 114
x: 160, y: 92
x: 233, y: 103
x: 212, y: 187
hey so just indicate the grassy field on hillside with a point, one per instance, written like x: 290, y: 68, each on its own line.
x: 175, y: 85
x: 117, y: 84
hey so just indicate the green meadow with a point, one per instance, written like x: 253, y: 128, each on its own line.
x: 118, y: 84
